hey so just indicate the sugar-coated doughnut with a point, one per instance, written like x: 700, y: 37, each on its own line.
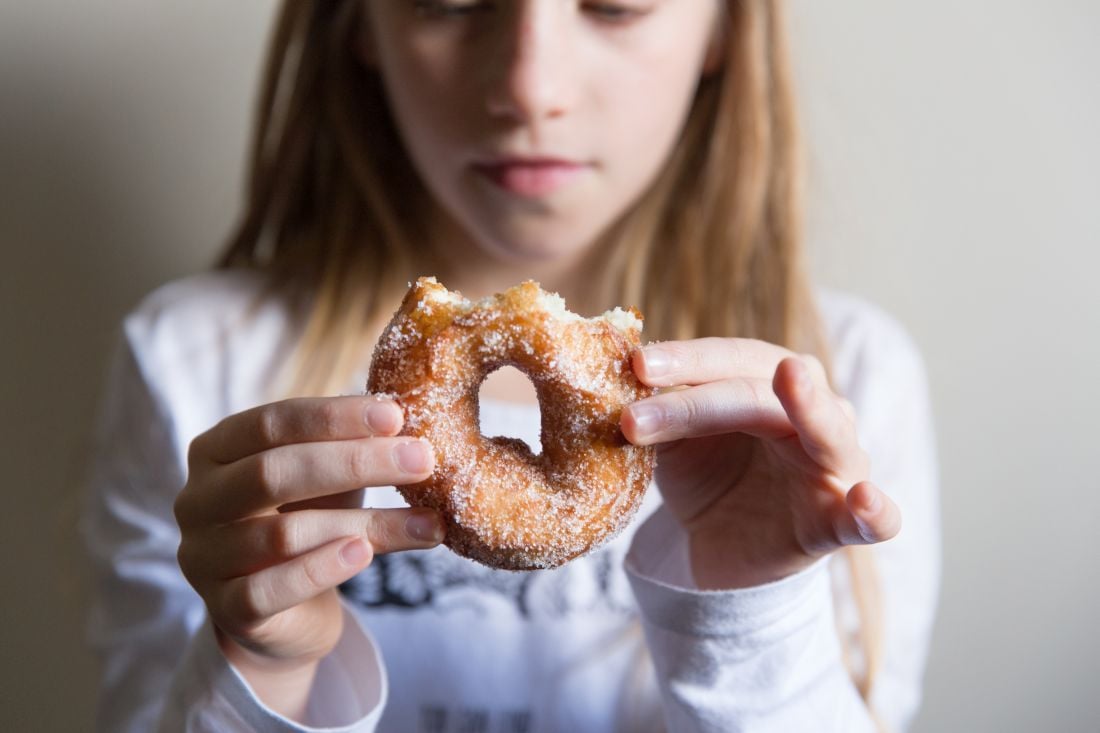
x: 503, y: 505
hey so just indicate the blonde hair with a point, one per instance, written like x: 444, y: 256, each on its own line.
x: 334, y: 209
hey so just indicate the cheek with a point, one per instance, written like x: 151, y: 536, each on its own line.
x: 426, y: 96
x: 640, y: 120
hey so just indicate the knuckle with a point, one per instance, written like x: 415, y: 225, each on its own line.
x: 684, y: 411
x: 284, y: 536
x: 328, y: 419
x: 750, y: 349
x: 381, y: 533
x: 204, y: 449
x: 729, y: 350
x: 264, y: 475
x: 314, y: 576
x: 187, y: 505
x: 195, y: 450
x: 692, y: 357
x: 360, y: 464
x: 759, y: 393
x: 180, y: 508
x: 184, y: 558
x: 268, y: 425
x: 248, y: 602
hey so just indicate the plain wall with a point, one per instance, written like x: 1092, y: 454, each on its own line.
x: 954, y: 179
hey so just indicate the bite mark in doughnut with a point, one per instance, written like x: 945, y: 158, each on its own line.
x: 503, y: 505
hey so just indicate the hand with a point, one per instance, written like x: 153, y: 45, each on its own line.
x: 271, y: 521
x: 758, y: 459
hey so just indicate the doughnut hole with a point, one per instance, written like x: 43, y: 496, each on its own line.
x: 510, y: 385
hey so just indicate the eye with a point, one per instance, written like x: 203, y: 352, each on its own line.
x: 450, y: 8
x: 614, y: 13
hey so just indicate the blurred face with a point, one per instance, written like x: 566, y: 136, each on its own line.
x: 537, y: 123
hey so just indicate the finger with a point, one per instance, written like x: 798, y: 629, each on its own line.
x: 872, y: 516
x: 848, y: 408
x: 262, y: 482
x: 817, y: 369
x: 729, y: 406
x: 824, y: 430
x: 244, y: 602
x: 300, y: 420
x: 699, y: 361
x: 243, y: 548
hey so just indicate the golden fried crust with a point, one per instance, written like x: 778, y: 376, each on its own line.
x: 504, y: 506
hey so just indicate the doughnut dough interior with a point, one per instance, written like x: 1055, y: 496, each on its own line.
x: 503, y: 505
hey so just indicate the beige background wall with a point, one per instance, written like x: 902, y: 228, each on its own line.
x: 955, y: 180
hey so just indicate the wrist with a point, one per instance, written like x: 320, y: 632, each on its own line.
x: 720, y: 561
x: 282, y: 684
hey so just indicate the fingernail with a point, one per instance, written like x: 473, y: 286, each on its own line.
x: 871, y: 502
x: 424, y: 527
x: 383, y: 418
x: 647, y: 419
x: 413, y: 457
x: 354, y: 553
x: 658, y: 363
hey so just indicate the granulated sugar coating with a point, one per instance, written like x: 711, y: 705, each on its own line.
x: 503, y: 505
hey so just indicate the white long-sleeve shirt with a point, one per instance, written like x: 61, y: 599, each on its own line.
x: 620, y: 639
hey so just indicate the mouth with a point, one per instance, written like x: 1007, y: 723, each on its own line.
x: 531, y: 177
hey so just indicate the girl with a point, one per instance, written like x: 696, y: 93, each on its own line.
x: 627, y: 152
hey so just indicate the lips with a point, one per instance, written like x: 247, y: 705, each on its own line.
x: 531, y: 176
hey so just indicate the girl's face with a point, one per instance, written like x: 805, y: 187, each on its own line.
x: 536, y: 123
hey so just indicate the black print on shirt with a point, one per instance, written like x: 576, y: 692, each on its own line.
x: 518, y: 722
x: 434, y: 719
x: 412, y: 580
x: 473, y: 721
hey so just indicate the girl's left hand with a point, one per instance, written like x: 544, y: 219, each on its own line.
x: 758, y: 459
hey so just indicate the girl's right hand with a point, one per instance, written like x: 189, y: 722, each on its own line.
x: 271, y: 521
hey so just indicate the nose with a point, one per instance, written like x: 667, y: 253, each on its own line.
x: 533, y: 77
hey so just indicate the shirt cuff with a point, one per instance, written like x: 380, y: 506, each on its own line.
x: 348, y: 695
x: 351, y: 681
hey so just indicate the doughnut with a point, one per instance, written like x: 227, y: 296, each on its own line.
x: 503, y: 505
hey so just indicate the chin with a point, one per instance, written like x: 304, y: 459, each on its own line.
x: 545, y: 240
x: 533, y: 247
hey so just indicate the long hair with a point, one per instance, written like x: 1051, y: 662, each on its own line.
x: 713, y: 247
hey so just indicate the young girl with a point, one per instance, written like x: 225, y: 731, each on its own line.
x: 634, y: 152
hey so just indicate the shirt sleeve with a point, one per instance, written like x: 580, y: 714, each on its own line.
x: 764, y: 659
x: 889, y: 389
x: 770, y: 658
x: 159, y: 659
